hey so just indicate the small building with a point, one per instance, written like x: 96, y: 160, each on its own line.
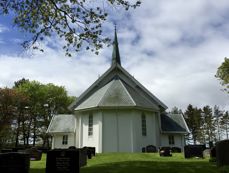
x: 117, y: 114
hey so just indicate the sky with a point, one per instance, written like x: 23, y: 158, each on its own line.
x: 172, y: 47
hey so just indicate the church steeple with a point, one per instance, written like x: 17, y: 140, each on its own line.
x: 115, y: 54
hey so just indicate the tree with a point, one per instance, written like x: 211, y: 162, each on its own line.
x: 193, y: 119
x: 77, y: 22
x: 175, y: 110
x: 224, y: 123
x: 209, y: 125
x: 10, y: 111
x: 223, y: 74
x: 218, y: 118
x: 44, y: 101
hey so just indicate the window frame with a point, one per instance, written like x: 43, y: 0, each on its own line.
x: 65, y: 140
x: 143, y: 124
x: 90, y: 125
x: 171, y: 140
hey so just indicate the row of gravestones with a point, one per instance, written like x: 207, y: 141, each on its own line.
x: 218, y: 153
x: 58, y: 160
x: 163, y: 151
x: 33, y: 152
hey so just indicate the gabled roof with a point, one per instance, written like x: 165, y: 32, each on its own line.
x: 62, y: 123
x: 116, y: 93
x: 138, y: 93
x: 130, y: 89
x: 173, y: 123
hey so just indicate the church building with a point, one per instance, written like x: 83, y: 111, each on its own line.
x: 117, y: 114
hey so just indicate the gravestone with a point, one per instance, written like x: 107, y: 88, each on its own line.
x: 143, y: 149
x: 14, y: 162
x: 63, y: 161
x: 4, y: 150
x: 151, y: 149
x: 194, y: 151
x: 82, y: 156
x: 213, y: 154
x: 176, y: 150
x: 34, y: 153
x: 90, y: 152
x: 222, y: 153
x: 165, y: 151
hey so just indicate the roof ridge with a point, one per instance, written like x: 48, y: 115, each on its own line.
x: 128, y: 93
x: 112, y: 82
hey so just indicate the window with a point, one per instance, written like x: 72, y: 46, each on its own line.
x: 143, y: 125
x: 90, y: 125
x: 171, y: 140
x: 65, y: 140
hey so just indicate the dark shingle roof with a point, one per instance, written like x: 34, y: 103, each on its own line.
x: 173, y: 123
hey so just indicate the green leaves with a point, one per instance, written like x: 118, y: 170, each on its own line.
x: 76, y: 21
x: 27, y: 108
x: 223, y: 74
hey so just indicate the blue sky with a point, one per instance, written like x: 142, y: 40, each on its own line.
x: 172, y: 47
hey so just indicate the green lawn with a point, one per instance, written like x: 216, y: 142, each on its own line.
x: 140, y: 163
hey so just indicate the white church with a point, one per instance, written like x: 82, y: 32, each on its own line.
x: 117, y: 114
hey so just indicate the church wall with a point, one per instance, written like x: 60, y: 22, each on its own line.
x: 58, y: 138
x: 178, y: 140
x: 77, y: 133
x: 110, y: 132
x: 150, y: 138
x: 157, y: 129
x: 95, y: 139
x: 117, y: 131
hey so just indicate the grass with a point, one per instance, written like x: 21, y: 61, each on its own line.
x: 140, y: 162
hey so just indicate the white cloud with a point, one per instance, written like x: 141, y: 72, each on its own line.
x: 172, y: 47
x: 3, y: 28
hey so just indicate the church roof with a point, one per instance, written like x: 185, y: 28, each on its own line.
x: 117, y: 88
x: 173, y: 123
x: 116, y: 93
x: 62, y: 123
x: 115, y: 54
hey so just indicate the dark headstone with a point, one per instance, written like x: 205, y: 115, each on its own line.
x: 151, y: 149
x: 165, y: 151
x: 6, y: 150
x: 34, y: 153
x: 222, y: 153
x: 210, y: 144
x: 63, y: 161
x: 90, y: 152
x: 82, y: 156
x: 176, y: 150
x: 72, y: 147
x: 44, y: 149
x: 143, y: 149
x: 194, y: 151
x: 14, y: 162
x: 212, y: 154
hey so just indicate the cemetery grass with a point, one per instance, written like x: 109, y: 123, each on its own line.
x: 140, y: 162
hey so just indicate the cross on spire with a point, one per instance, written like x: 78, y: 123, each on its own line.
x: 115, y: 54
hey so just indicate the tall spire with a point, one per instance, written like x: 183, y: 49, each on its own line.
x: 115, y: 54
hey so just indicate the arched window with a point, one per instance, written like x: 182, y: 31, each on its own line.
x: 90, y: 124
x: 144, y: 130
